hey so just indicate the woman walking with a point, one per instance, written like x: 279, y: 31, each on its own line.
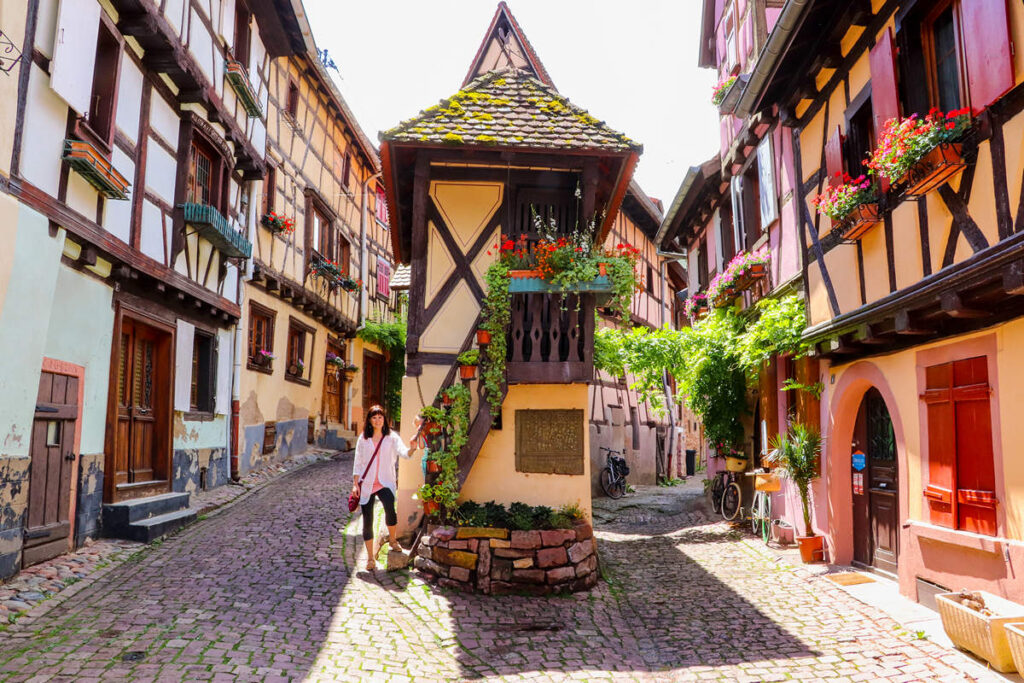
x: 373, y: 476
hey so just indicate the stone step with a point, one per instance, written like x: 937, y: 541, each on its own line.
x: 397, y: 559
x: 149, y: 530
x: 121, y: 515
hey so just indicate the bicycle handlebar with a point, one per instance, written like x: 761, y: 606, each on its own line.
x: 610, y: 450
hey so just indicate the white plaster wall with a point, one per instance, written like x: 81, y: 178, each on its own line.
x: 218, y: 69
x: 212, y: 434
x: 200, y: 44
x: 259, y: 131
x: 24, y: 318
x: 161, y: 171
x: 46, y: 26
x: 184, y: 341
x: 81, y: 195
x: 80, y: 332
x: 117, y: 213
x: 231, y: 284
x: 129, y: 99
x: 151, y: 242
x: 175, y: 13
x: 163, y: 119
x: 43, y: 141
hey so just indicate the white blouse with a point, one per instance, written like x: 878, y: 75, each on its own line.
x: 384, y: 467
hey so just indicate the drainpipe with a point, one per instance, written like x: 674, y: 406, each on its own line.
x: 244, y: 275
x: 790, y: 19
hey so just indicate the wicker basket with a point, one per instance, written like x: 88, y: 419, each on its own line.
x: 983, y: 635
x: 1015, y: 638
x: 767, y: 482
x: 735, y: 464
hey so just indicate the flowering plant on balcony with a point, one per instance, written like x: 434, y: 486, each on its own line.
x: 741, y: 267
x: 265, y: 355
x: 905, y: 141
x: 335, y: 360
x: 837, y: 201
x: 349, y: 284
x: 693, y: 306
x: 515, y: 255
x: 327, y: 270
x: 720, y: 88
x: 278, y: 223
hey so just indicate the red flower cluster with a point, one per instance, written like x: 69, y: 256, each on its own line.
x: 278, y: 223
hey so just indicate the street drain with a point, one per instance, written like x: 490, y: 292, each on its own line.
x: 133, y: 656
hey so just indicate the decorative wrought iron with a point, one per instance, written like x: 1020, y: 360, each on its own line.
x: 10, y: 55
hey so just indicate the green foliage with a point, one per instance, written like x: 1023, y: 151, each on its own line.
x: 390, y: 338
x: 519, y: 516
x: 609, y: 354
x: 776, y: 330
x: 797, y: 455
x: 814, y: 390
x: 454, y: 423
x: 497, y: 316
x: 470, y: 357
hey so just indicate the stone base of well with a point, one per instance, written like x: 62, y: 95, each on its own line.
x: 500, y: 562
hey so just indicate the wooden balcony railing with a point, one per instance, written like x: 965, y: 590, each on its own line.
x: 551, y: 339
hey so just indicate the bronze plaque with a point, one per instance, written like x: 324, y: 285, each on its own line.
x: 549, y: 441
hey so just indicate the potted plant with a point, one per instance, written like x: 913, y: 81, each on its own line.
x: 467, y: 361
x: 796, y: 456
x: 719, y: 90
x: 335, y: 360
x: 350, y: 368
x: 349, y: 284
x: 326, y: 270
x: 483, y: 336
x: 851, y: 204
x: 922, y: 153
x: 263, y: 358
x: 277, y: 223
x: 695, y: 306
x: 433, y: 466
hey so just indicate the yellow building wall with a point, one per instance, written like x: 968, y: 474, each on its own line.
x: 12, y: 19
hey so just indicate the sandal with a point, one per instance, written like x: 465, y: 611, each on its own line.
x: 395, y: 545
x: 371, y: 565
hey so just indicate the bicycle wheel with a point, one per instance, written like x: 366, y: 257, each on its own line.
x: 731, y: 501
x: 766, y: 517
x: 717, y: 489
x: 755, y: 513
x: 610, y: 484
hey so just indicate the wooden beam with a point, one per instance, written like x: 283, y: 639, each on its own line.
x: 954, y: 307
x: 1013, y: 278
x: 865, y: 334
x: 904, y: 325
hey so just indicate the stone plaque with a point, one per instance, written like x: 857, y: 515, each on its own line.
x: 549, y: 441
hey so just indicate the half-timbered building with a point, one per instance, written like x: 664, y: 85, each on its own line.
x: 321, y: 265
x: 917, y: 317
x: 482, y: 163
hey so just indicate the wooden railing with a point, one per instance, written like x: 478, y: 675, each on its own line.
x: 551, y: 339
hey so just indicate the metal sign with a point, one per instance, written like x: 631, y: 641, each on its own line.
x: 549, y: 441
x: 860, y: 461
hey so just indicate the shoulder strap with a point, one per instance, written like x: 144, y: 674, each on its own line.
x: 372, y: 458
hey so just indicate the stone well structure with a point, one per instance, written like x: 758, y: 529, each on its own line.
x: 498, y: 561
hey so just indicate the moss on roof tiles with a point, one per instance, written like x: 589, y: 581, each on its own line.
x: 508, y: 108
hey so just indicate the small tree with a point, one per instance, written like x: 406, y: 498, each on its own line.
x: 797, y: 455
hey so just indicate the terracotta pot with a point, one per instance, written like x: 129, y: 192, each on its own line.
x: 483, y: 337
x: 433, y: 466
x: 467, y: 371
x: 602, y: 269
x: 431, y: 428
x: 521, y: 274
x: 430, y: 507
x: 934, y: 169
x: 859, y: 221
x: 811, y: 548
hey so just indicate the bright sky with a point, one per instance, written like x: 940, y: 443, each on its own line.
x: 631, y: 63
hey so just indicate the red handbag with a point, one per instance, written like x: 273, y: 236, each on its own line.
x: 353, y: 498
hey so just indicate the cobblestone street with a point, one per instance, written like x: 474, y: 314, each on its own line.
x: 267, y: 589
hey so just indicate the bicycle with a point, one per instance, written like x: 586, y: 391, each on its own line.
x: 761, y: 515
x: 613, y: 476
x: 726, y: 495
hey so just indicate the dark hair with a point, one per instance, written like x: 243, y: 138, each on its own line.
x: 368, y: 428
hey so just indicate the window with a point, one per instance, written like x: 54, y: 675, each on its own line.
x: 296, y: 367
x: 941, y: 33
x: 725, y: 236
x: 650, y: 279
x: 702, y: 265
x: 207, y: 175
x: 344, y: 253
x: 261, y: 336
x: 270, y: 189
x: 204, y: 373
x: 730, y: 39
x: 383, y: 278
x: 346, y: 171
x: 382, y: 206
x: 293, y: 100
x: 860, y: 138
x: 103, y: 100
x: 768, y: 202
x: 241, y: 46
x: 321, y: 233
x: 960, y: 486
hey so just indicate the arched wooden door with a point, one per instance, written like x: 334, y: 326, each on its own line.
x: 334, y: 397
x: 875, y: 486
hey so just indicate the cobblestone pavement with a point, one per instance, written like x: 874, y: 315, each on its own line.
x: 267, y: 590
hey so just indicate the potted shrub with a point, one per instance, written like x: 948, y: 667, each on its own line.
x: 921, y: 153
x: 483, y: 336
x: 277, y: 223
x: 796, y: 456
x: 695, y: 306
x: 852, y: 205
x: 467, y: 363
x: 336, y: 361
x: 263, y: 358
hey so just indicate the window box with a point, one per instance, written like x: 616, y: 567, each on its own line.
x: 934, y: 169
x: 731, y: 97
x: 533, y: 283
x: 91, y: 165
x: 856, y: 223
x: 982, y: 634
x: 235, y: 73
x: 209, y: 222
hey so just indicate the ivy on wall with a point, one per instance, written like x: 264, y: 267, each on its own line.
x: 390, y: 338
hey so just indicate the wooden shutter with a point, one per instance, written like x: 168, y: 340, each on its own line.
x: 975, y: 470
x: 941, y: 443
x: 766, y: 182
x: 74, y: 52
x: 986, y: 35
x: 222, y: 392
x: 184, y: 340
x: 383, y: 277
x: 738, y: 214
x: 834, y: 158
x: 884, y: 94
x: 808, y: 406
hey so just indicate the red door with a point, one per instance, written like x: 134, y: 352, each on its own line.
x: 52, y: 450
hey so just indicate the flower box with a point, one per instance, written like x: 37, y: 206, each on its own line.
x: 235, y: 73
x: 735, y: 464
x: 1015, y: 639
x: 430, y: 507
x: 536, y: 284
x: 856, y: 223
x: 433, y: 466
x: 984, y: 635
x: 96, y: 170
x: 934, y: 169
x: 209, y: 223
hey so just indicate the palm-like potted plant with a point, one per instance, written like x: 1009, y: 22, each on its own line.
x: 796, y: 455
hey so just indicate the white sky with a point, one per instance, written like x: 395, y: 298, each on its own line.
x: 632, y: 63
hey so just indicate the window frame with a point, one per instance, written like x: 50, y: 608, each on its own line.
x: 860, y: 111
x: 108, y: 59
x: 269, y: 189
x: 927, y: 28
x: 261, y: 311
x: 301, y: 341
x: 385, y: 291
x: 241, y: 46
x: 381, y: 208
x: 203, y: 400
x: 768, y: 201
x: 219, y: 172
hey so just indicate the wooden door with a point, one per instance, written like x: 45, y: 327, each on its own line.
x: 333, y: 396
x: 143, y: 386
x: 876, y: 543
x: 48, y: 526
x: 373, y: 380
x: 862, y: 545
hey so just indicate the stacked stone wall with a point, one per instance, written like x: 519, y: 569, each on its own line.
x: 500, y: 562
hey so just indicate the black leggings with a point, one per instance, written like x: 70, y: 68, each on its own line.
x: 390, y: 516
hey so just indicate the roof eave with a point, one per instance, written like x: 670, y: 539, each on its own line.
x: 706, y: 51
x: 693, y: 184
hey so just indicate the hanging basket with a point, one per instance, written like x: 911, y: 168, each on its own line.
x: 483, y: 337
x: 735, y: 464
x: 433, y: 466
x: 861, y: 219
x: 934, y: 169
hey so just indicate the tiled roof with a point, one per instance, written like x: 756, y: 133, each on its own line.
x: 511, y: 109
x: 401, y: 278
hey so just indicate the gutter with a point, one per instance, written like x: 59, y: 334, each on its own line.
x: 677, y: 201
x: 792, y: 17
